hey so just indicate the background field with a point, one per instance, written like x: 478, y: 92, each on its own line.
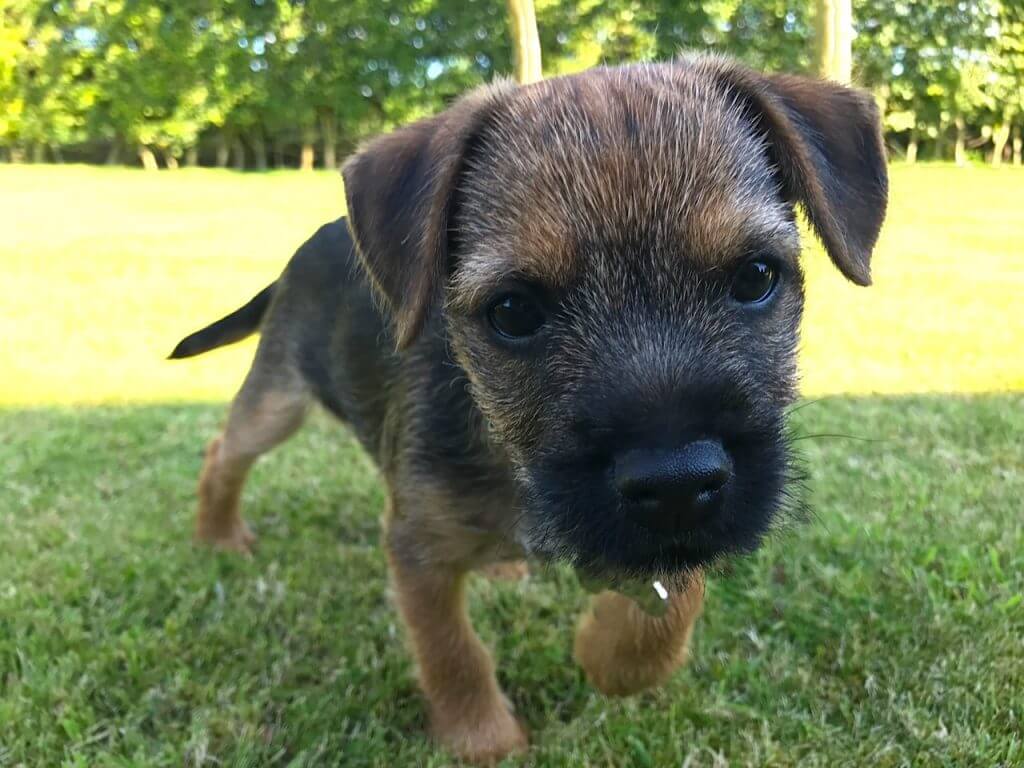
x: 105, y: 269
x: 888, y: 631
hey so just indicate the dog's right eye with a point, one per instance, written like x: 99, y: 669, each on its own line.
x: 754, y: 281
x: 515, y: 316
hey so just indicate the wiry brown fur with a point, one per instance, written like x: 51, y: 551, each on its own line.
x: 468, y: 711
x: 618, y: 145
x: 624, y: 650
x: 624, y: 200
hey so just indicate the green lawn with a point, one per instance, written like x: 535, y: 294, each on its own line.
x: 887, y: 631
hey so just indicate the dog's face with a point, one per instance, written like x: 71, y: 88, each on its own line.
x: 617, y: 262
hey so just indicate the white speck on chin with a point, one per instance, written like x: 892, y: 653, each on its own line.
x: 660, y: 589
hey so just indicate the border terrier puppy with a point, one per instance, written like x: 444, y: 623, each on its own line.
x: 563, y: 319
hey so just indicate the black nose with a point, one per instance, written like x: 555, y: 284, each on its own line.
x: 672, y: 490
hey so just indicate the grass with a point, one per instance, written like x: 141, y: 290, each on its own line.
x: 105, y: 269
x: 886, y: 632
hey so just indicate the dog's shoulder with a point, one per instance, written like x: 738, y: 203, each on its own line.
x: 328, y: 255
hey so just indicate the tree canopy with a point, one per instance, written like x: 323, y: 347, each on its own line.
x: 257, y: 83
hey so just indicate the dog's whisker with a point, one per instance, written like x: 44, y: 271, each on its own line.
x: 804, y: 404
x: 838, y: 436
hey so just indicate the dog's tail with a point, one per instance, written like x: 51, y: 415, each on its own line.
x: 241, y: 323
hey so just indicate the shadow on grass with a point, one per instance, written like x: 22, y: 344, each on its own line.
x: 120, y: 639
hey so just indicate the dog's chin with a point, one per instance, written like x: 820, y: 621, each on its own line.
x: 627, y: 552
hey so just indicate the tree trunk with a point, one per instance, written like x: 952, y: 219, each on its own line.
x: 259, y: 150
x: 192, y: 156
x: 1000, y: 137
x: 170, y: 160
x: 1018, y: 145
x: 113, y: 153
x: 960, y: 150
x: 525, y: 40
x: 941, y: 139
x: 148, y: 158
x: 278, y: 153
x: 38, y: 153
x: 329, y: 138
x: 835, y: 39
x: 912, y: 146
x: 308, y: 155
x: 58, y: 156
x: 238, y: 154
x: 223, y: 152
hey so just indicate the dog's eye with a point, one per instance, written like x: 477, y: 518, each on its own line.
x: 754, y: 282
x: 515, y: 316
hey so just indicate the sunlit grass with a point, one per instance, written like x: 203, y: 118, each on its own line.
x: 105, y: 269
x: 886, y: 632
x: 944, y: 312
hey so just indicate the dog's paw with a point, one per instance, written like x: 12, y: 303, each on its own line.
x: 512, y: 570
x: 483, y: 739
x: 239, y: 539
x: 610, y: 647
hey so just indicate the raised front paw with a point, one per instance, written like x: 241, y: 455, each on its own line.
x: 624, y: 651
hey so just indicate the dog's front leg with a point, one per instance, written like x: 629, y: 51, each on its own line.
x: 469, y: 714
x: 623, y: 650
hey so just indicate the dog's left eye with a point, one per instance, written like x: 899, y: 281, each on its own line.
x: 515, y: 316
x: 754, y: 282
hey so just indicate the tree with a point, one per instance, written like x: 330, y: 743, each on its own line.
x: 1006, y: 80
x: 14, y: 28
x: 525, y: 40
x: 835, y: 39
x: 52, y: 100
x: 929, y: 63
x: 252, y: 83
x: 767, y: 34
x: 771, y: 35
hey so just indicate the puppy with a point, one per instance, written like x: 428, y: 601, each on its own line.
x: 563, y: 319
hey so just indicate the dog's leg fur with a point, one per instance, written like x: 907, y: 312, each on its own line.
x: 623, y: 650
x: 506, y: 570
x: 469, y: 714
x: 266, y: 412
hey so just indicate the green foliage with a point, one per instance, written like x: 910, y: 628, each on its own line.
x: 1007, y: 59
x: 934, y: 63
x: 176, y: 76
x: 159, y: 74
x: 768, y: 34
x: 13, y: 33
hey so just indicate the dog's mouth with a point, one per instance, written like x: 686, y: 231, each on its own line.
x: 570, y: 515
x: 627, y: 561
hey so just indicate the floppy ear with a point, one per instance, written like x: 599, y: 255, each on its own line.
x: 826, y: 142
x: 399, y: 190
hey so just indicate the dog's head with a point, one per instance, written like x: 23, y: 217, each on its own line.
x: 615, y: 255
